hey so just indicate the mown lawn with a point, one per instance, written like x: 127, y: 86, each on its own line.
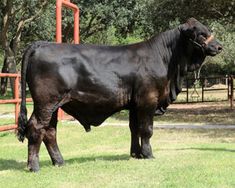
x: 183, y: 158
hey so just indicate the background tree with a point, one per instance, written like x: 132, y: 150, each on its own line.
x: 113, y: 22
x: 15, y: 15
x: 217, y: 14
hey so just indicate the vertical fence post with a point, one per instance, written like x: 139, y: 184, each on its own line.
x: 228, y: 86
x: 59, y: 5
x: 231, y: 92
x: 76, y: 34
x: 187, y: 89
x: 202, y: 83
x: 17, y: 98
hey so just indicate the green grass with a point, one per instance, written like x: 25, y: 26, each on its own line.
x: 7, y: 115
x: 101, y: 159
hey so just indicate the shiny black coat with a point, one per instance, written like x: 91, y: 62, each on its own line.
x: 93, y: 82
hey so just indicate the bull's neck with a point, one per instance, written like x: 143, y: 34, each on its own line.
x: 171, y: 46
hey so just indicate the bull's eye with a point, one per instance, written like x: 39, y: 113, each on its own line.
x: 204, y: 35
x: 201, y: 38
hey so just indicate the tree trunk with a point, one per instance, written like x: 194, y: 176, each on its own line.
x: 4, y: 80
x: 9, y: 66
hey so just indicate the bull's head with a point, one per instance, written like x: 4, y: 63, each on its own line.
x: 201, y: 40
x: 200, y: 43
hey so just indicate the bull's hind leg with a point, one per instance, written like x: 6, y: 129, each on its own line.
x: 135, y: 145
x: 36, y: 131
x: 35, y: 136
x: 51, y: 142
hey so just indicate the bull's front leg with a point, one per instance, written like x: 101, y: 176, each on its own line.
x: 135, y: 151
x: 145, y: 124
x: 141, y: 126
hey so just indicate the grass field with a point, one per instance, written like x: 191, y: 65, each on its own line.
x: 199, y: 158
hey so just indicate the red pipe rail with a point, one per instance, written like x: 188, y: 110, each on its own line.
x: 16, y: 100
x: 67, y: 4
x: 59, y: 5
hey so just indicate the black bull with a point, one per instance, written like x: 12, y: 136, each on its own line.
x: 93, y: 82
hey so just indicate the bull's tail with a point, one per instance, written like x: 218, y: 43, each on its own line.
x: 22, y: 119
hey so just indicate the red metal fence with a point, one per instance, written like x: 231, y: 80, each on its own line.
x: 16, y: 100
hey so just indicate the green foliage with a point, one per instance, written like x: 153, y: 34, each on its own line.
x: 128, y: 21
x: 223, y: 63
x: 219, y: 15
x: 99, y: 17
x: 159, y: 13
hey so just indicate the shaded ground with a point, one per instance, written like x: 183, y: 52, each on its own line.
x: 200, y: 113
x: 216, y: 113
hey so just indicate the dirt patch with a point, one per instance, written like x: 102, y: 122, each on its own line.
x: 209, y: 105
x: 218, y: 113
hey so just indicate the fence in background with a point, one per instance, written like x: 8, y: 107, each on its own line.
x: 15, y: 100
x: 207, y: 89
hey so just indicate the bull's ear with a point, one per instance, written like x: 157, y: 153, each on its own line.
x: 188, y: 29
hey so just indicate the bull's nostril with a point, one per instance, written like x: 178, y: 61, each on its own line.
x: 219, y: 48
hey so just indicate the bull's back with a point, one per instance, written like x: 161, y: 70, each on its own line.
x: 96, y: 76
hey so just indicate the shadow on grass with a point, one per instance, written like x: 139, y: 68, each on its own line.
x: 201, y: 149
x: 123, y: 157
x: 4, y: 134
x: 206, y: 133
x: 6, y: 164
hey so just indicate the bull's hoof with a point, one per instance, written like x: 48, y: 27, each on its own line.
x: 160, y: 111
x: 58, y: 163
x: 136, y: 155
x: 33, y: 168
x: 88, y: 130
x: 149, y: 157
x: 141, y: 156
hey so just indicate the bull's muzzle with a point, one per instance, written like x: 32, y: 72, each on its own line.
x: 212, y: 46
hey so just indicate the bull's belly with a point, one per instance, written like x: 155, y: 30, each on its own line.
x: 91, y: 113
